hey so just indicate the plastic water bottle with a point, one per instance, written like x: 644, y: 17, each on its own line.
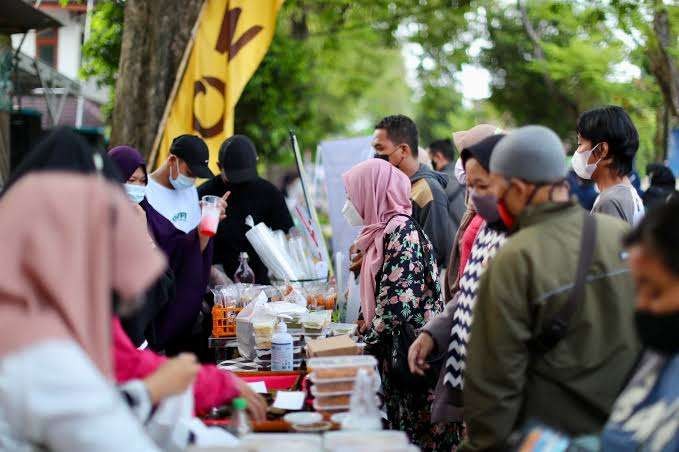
x: 240, y: 425
x: 244, y: 273
x: 281, y: 348
x: 364, y: 415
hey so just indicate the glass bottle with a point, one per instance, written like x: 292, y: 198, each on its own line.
x: 244, y: 273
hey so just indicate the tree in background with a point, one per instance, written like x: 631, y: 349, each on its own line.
x: 317, y: 77
x: 335, y: 67
x: 551, y: 60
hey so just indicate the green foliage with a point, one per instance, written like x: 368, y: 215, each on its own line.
x: 336, y: 67
x: 101, y: 51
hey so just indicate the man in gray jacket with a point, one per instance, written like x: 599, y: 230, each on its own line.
x: 395, y: 140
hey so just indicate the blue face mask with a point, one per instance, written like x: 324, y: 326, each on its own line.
x: 135, y: 192
x: 182, y: 182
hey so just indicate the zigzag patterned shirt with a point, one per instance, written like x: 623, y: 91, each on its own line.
x: 487, y: 242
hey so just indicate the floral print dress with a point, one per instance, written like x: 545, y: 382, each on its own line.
x: 408, y: 290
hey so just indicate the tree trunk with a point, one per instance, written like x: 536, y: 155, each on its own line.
x: 663, y: 65
x: 155, y: 35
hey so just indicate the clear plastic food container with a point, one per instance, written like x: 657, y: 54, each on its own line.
x: 339, y: 386
x: 334, y: 367
x: 319, y: 406
x: 332, y: 387
x: 340, y: 329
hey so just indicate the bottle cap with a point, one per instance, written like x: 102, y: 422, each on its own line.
x: 240, y: 403
x: 244, y: 254
x: 281, y: 327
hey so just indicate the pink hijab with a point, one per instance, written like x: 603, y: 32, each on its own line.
x: 379, y: 191
x: 67, y: 241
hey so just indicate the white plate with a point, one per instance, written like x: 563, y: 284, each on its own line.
x: 337, y: 418
x: 303, y: 418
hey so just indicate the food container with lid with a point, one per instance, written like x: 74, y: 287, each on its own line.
x: 334, y: 367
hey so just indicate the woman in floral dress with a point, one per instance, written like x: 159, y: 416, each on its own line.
x: 398, y: 284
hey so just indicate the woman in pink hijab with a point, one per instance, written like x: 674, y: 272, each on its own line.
x: 399, y: 289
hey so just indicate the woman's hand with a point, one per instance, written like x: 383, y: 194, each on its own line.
x: 356, y: 257
x: 256, y: 403
x: 173, y: 377
x: 419, y: 350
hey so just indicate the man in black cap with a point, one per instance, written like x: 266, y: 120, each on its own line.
x: 173, y: 214
x: 250, y: 195
x: 171, y: 188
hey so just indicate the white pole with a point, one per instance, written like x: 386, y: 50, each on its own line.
x: 88, y: 19
x: 80, y: 106
x: 79, y: 112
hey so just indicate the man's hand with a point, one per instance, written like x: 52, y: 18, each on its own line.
x: 419, y: 350
x: 218, y: 277
x: 223, y: 205
x: 256, y: 403
x: 173, y: 377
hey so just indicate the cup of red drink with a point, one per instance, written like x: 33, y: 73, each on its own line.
x: 209, y: 216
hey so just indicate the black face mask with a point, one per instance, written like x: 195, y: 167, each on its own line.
x: 384, y: 157
x: 658, y: 332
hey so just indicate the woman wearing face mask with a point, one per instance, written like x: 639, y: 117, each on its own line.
x: 471, y: 222
x: 607, y: 144
x: 449, y: 331
x: 399, y: 288
x: 132, y: 169
x: 140, y: 326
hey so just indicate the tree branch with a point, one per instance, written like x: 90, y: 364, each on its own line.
x: 539, y: 54
x: 534, y: 37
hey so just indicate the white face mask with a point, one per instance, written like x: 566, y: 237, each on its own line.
x: 460, y: 174
x: 351, y: 214
x: 182, y: 182
x: 580, y: 165
x: 135, y: 192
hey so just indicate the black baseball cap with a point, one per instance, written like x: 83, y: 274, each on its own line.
x: 238, y: 158
x: 193, y: 150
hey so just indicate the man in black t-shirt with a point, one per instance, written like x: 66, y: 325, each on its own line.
x: 250, y: 195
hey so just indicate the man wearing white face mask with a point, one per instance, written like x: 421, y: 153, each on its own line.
x: 607, y: 144
x: 173, y: 213
x: 171, y: 189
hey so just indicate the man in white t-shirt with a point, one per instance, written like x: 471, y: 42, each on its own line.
x: 171, y: 188
x: 173, y: 214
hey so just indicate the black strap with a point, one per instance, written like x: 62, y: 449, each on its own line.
x: 557, y: 328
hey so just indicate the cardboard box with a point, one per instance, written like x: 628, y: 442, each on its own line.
x: 332, y: 346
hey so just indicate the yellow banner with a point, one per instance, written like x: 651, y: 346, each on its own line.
x: 232, y: 38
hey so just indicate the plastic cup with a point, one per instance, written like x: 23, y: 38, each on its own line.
x: 209, y: 216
